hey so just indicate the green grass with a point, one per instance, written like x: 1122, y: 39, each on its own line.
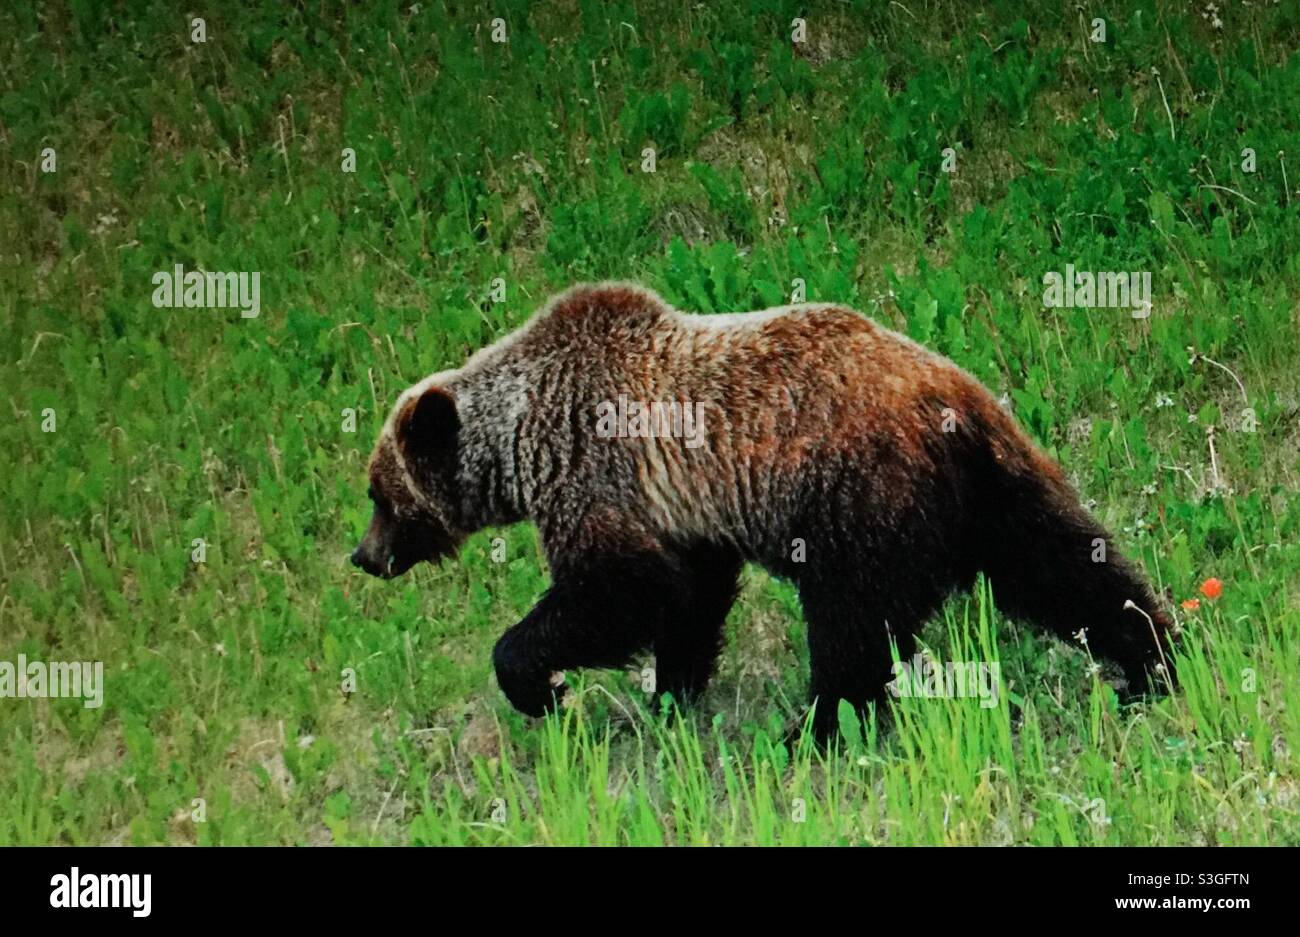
x: 522, y: 161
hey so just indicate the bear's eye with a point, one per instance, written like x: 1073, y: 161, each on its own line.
x: 382, y: 504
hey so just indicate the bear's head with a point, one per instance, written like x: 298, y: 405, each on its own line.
x: 413, y: 485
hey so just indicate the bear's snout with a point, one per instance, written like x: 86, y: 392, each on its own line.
x: 362, y: 559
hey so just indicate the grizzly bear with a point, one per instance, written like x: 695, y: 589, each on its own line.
x: 658, y: 451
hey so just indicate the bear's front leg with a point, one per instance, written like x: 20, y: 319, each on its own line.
x: 688, y: 647
x: 520, y: 660
x: 598, y: 613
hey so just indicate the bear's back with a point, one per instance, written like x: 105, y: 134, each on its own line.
x: 619, y: 338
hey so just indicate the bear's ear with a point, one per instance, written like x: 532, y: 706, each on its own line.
x: 427, y: 427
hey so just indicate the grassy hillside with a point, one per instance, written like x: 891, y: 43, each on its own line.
x: 777, y: 165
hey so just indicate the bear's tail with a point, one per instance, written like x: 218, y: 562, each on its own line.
x: 1050, y: 563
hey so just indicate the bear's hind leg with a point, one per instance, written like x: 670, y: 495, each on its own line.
x: 849, y: 652
x: 1050, y: 563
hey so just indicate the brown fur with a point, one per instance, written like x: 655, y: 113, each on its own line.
x: 896, y: 470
